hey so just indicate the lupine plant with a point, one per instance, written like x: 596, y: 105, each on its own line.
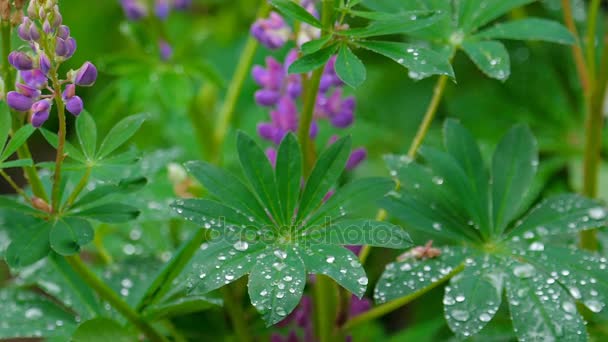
x: 204, y: 185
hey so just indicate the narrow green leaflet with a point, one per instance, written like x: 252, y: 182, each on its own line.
x: 359, y: 232
x: 14, y: 204
x: 409, y: 275
x: 26, y: 314
x: 71, y: 151
x: 259, y: 172
x: 26, y: 249
x: 16, y: 163
x: 326, y: 172
x: 228, y: 188
x: 293, y: 10
x: 338, y: 263
x: 315, y: 45
x: 289, y: 176
x: 210, y: 214
x: 541, y: 309
x: 276, y: 283
x: 120, y: 133
x: 349, y: 67
x: 102, y: 191
x: 180, y: 307
x: 109, y: 213
x: 561, y: 214
x: 514, y: 166
x: 87, y: 134
x: 476, y: 13
x: 400, y: 23
x: 491, y: 57
x: 312, y: 61
x: 423, y: 61
x: 18, y: 139
x: 103, y: 330
x: 529, y: 29
x: 473, y: 297
x: 70, y: 234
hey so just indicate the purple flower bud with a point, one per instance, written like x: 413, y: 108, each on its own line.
x: 134, y: 9
x: 74, y: 105
x: 181, y: 4
x: 71, y: 47
x: 20, y: 60
x: 272, y: 32
x: 266, y: 97
x: 271, y: 153
x: 355, y: 249
x: 161, y: 9
x: 166, y: 51
x: 18, y: 101
x: 63, y: 32
x: 356, y: 157
x: 31, y: 9
x: 86, y: 75
x: 65, y: 47
x: 41, y: 13
x: 34, y: 34
x: 24, y: 30
x: 57, y: 18
x: 69, y: 91
x: 267, y: 131
x: 46, y: 27
x: 44, y: 62
x: 28, y: 91
x: 34, y: 78
x: 40, y: 112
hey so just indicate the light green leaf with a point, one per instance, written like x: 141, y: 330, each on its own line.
x: 514, y: 166
x: 179, y: 307
x: 103, y: 330
x: 70, y: 150
x: 491, y: 57
x: 26, y: 249
x: 69, y: 235
x: 110, y: 213
x: 87, y: 134
x: 18, y: 139
x: 293, y: 10
x: 103, y: 191
x: 349, y: 67
x: 289, y: 176
x: 312, y: 61
x: 315, y: 45
x: 120, y: 133
x: 276, y: 283
x: 16, y: 163
x: 421, y: 61
x: 399, y: 24
x: 529, y: 29
x: 359, y: 232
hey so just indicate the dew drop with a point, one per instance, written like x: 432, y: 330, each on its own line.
x: 330, y: 259
x: 597, y: 213
x: 523, y: 271
x: 241, y: 245
x: 460, y: 315
x: 485, y: 317
x: 33, y: 313
x: 363, y: 281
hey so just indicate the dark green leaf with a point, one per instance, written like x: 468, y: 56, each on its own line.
x: 69, y: 235
x: 87, y: 134
x: 5, y: 123
x: 529, y: 29
x: 359, y: 232
x: 349, y: 67
x: 315, y: 45
x: 513, y: 168
x: 289, y: 176
x: 110, y: 213
x: 70, y: 150
x: 179, y: 307
x: 103, y: 330
x: 293, y: 10
x: 210, y: 214
x: 102, y: 191
x: 29, y: 246
x: 403, y: 23
x: 18, y: 139
x: 491, y: 57
x: 120, y: 133
x: 312, y: 61
x: 422, y: 61
x: 16, y: 163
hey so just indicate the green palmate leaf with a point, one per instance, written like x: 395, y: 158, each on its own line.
x: 16, y: 163
x: 69, y: 234
x: 419, y: 60
x: 120, y: 133
x: 473, y: 13
x: 491, y: 57
x: 325, y: 173
x: 210, y: 214
x: 390, y: 16
x: 351, y: 198
x: 349, y: 67
x: 276, y: 283
x: 18, y: 139
x: 180, y: 307
x: 13, y: 203
x: 400, y: 23
x: 87, y: 134
x: 289, y: 176
x: 338, y: 263
x: 360, y: 232
x: 110, y: 213
x: 102, y: 330
x: 228, y: 188
x: 541, y: 309
x: 315, y: 45
x: 25, y: 249
x: 259, y: 172
x: 103, y: 191
x: 463, y: 147
x: 5, y: 123
x: 514, y: 165
x: 529, y: 29
x: 473, y: 297
x: 562, y: 214
x: 312, y: 61
x: 403, y: 278
x: 293, y: 10
x: 27, y: 314
x: 70, y: 150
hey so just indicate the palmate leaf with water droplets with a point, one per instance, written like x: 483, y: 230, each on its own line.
x: 26, y: 249
x: 541, y: 310
x: 276, y: 283
x: 403, y: 278
x: 400, y: 23
x: 491, y: 57
x: 26, y: 314
x: 473, y: 296
x: 358, y: 232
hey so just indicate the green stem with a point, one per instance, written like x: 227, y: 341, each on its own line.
x: 236, y: 314
x: 324, y: 307
x: 384, y: 309
x: 590, y: 50
x: 308, y: 109
x: 23, y: 152
x: 61, y: 134
x: 234, y: 89
x: 114, y: 299
x: 79, y: 187
x: 429, y: 115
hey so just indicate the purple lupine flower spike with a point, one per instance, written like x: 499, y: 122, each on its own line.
x: 44, y: 63
x: 161, y: 9
x: 86, y: 75
x: 74, y: 105
x: 34, y: 78
x: 40, y: 112
x: 19, y: 101
x: 24, y: 30
x: 63, y: 32
x: 273, y: 32
x: 20, y: 60
x: 134, y: 9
